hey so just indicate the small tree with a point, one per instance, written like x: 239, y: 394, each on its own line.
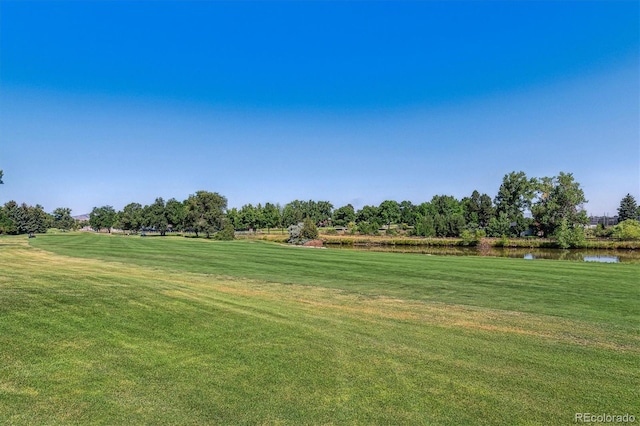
x: 568, y: 236
x: 227, y: 233
x: 309, y: 230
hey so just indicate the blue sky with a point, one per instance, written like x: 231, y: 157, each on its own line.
x: 351, y: 102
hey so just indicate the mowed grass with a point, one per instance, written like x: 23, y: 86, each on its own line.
x: 129, y: 330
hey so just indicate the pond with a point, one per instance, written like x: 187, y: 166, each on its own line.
x: 579, y: 255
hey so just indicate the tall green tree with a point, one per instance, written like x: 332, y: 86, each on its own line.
x: 155, y: 216
x: 131, y: 217
x: 447, y: 214
x: 271, y: 216
x: 514, y: 198
x: 22, y: 219
x: 628, y: 208
x: 18, y: 217
x: 367, y: 214
x: 7, y: 226
x: 102, y: 218
x: 294, y: 212
x: 389, y: 212
x: 478, y: 209
x: 343, y: 215
x: 205, y: 212
x: 321, y: 212
x: 39, y: 220
x: 249, y: 217
x: 233, y: 218
x: 560, y: 199
x: 175, y: 212
x: 499, y: 225
x: 62, y: 219
x: 407, y: 213
x: 424, y: 225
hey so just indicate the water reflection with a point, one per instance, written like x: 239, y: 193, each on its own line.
x: 576, y: 256
x: 603, y: 259
x: 582, y: 255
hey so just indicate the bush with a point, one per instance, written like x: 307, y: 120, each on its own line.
x: 309, y: 230
x: 226, y: 234
x: 303, y: 232
x: 569, y: 236
x: 367, y: 228
x: 294, y: 233
x: 627, y: 230
x: 602, y: 232
x: 468, y: 239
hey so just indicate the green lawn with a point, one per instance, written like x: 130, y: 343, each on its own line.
x: 130, y: 330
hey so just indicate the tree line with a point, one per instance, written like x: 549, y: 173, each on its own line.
x: 546, y: 207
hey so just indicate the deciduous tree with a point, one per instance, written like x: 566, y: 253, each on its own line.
x: 343, y: 215
x: 101, y: 218
x: 130, y: 218
x: 478, y: 209
x: 560, y: 199
x: 62, y: 219
x: 271, y: 216
x: 205, y: 212
x: 155, y: 216
x: 514, y: 197
x: 389, y: 212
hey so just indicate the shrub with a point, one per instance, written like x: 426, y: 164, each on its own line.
x: 226, y: 234
x: 468, y: 238
x: 294, y: 233
x: 567, y: 236
x: 309, y: 230
x: 367, y: 228
x: 303, y: 232
x: 627, y: 230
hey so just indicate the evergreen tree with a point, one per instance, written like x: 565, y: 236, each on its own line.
x: 628, y: 208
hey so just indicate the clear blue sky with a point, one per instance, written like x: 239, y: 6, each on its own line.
x: 351, y: 102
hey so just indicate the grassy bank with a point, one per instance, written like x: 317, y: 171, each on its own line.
x: 459, y: 242
x: 128, y: 330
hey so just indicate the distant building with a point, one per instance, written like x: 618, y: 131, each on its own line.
x: 603, y: 220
